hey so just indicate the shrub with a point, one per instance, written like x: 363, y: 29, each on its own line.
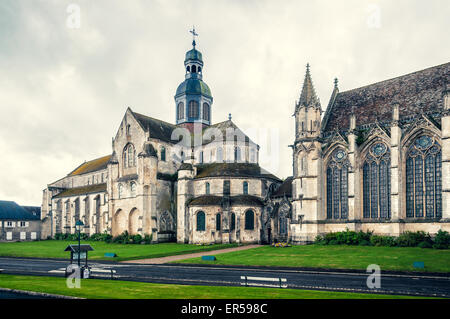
x: 442, y: 240
x: 425, y: 244
x: 407, y: 239
x: 123, y: 238
x: 136, y: 239
x: 388, y: 241
x: 105, y: 237
x: 147, y: 239
x: 364, y: 243
x: 412, y: 239
x: 346, y: 237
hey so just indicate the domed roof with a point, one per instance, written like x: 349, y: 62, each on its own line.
x: 193, y: 55
x: 193, y: 86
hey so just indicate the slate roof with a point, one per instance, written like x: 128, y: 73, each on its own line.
x: 415, y: 92
x: 285, y: 189
x: 89, y: 189
x: 35, y: 210
x: 233, y: 170
x: 91, y: 166
x: 207, y: 200
x: 158, y: 129
x: 10, y: 210
x: 163, y: 130
x: 193, y: 86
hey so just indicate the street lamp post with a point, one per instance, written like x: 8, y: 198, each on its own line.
x: 78, y: 226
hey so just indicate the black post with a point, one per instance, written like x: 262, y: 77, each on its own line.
x: 79, y: 246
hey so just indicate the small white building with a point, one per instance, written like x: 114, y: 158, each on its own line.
x: 17, y: 223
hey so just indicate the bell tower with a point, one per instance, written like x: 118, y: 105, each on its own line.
x: 193, y: 99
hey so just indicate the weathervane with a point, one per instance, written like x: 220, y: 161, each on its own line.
x: 194, y: 34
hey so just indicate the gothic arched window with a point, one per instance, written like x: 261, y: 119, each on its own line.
x: 206, y: 111
x: 129, y: 156
x: 218, y: 225
x: 424, y: 178
x: 377, y: 182
x: 133, y: 189
x: 180, y: 109
x: 337, y: 185
x: 233, y: 221
x: 207, y: 188
x: 200, y: 221
x: 283, y: 229
x: 163, y: 153
x: 245, y: 188
x: 249, y: 220
x: 193, y: 109
x: 120, y: 190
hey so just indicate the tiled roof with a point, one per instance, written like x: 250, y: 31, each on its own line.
x: 91, y: 166
x: 233, y: 170
x: 421, y: 91
x: 97, y: 188
x: 12, y: 211
x: 208, y: 200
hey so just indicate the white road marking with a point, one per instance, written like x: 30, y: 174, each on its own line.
x: 269, y: 279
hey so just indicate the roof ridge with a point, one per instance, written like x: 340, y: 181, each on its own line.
x: 394, y: 78
x: 152, y: 118
x: 86, y: 162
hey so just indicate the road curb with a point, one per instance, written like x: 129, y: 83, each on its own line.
x: 40, y: 294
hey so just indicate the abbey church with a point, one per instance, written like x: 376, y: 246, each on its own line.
x: 377, y: 160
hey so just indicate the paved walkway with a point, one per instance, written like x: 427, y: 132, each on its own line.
x: 168, y: 259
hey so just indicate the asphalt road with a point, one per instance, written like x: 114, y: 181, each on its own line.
x: 402, y: 284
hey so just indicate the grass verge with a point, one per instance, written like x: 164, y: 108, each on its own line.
x: 55, y: 249
x: 114, y: 289
x: 337, y: 257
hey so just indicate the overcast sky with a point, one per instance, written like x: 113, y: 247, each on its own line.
x: 64, y: 89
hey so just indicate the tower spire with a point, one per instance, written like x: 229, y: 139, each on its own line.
x: 308, y: 96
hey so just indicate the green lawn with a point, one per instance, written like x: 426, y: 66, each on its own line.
x: 344, y: 257
x: 108, y: 289
x: 55, y: 249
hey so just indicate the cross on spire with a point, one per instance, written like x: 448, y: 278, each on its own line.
x: 194, y: 34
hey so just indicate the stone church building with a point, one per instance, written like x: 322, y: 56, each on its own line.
x: 374, y: 161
